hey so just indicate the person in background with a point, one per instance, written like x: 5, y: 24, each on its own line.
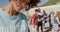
x: 58, y: 14
x: 54, y: 22
x: 45, y: 18
x: 57, y: 18
x: 40, y: 19
x: 34, y: 19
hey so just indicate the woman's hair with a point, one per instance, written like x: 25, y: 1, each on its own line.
x: 9, y: 0
x: 32, y: 3
x: 36, y: 10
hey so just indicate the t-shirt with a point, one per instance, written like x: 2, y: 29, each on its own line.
x: 40, y: 15
x: 13, y: 23
x: 45, y: 18
x: 35, y: 18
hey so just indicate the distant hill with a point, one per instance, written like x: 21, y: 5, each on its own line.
x: 51, y: 2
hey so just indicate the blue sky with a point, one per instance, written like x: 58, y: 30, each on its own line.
x: 5, y: 2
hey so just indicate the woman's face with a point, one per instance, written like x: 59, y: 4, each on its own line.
x: 20, y: 4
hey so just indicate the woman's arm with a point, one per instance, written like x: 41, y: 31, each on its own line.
x: 57, y: 20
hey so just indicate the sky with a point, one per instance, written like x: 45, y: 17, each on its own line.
x: 5, y: 2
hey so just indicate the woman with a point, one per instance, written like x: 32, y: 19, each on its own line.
x: 54, y: 22
x: 11, y: 20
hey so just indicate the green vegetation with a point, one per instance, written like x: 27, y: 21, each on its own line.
x: 51, y: 2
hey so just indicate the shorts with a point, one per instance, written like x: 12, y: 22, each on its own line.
x: 39, y: 23
x: 45, y: 20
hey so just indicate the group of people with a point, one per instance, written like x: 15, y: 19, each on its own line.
x: 11, y: 17
x: 40, y: 17
x: 13, y: 20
